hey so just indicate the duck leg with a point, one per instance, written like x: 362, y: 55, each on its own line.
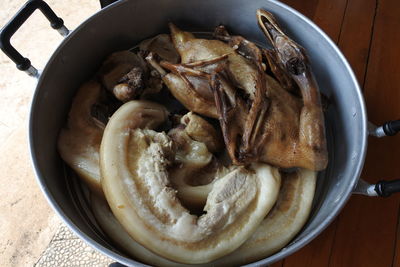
x: 188, y: 83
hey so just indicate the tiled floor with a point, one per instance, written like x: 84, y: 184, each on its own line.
x: 30, y: 232
x: 65, y: 249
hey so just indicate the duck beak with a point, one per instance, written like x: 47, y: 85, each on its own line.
x: 269, y: 25
x: 290, y: 54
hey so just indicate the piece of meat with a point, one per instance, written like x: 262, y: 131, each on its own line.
x: 279, y: 72
x: 259, y: 119
x: 202, y: 131
x: 161, y: 45
x: 237, y: 82
x: 225, y: 68
x: 193, y: 50
x: 131, y: 85
x: 242, y: 46
x: 309, y: 149
x: 117, y: 65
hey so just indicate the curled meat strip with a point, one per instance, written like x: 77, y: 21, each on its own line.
x: 134, y: 162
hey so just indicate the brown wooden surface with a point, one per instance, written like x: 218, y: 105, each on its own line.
x: 367, y: 231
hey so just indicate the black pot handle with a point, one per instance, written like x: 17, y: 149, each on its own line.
x: 386, y: 188
x: 382, y: 188
x: 16, y: 22
x: 389, y: 128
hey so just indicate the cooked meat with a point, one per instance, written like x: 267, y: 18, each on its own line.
x: 131, y: 85
x: 259, y: 119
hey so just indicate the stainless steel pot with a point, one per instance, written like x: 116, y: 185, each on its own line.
x: 125, y: 23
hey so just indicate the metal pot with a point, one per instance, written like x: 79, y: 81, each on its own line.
x: 125, y: 23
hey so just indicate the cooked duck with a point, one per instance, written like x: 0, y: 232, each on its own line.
x: 259, y: 119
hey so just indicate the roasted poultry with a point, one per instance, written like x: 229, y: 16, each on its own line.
x: 260, y: 120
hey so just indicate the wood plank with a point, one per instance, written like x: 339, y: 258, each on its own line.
x: 367, y: 227
x: 315, y: 254
x: 328, y: 15
x: 382, y: 96
x: 359, y: 217
x: 365, y: 233
x: 306, y: 7
x: 277, y: 264
x: 355, y: 37
x: 396, y: 258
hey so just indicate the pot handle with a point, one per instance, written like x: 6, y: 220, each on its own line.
x: 382, y: 188
x: 389, y: 128
x: 16, y: 22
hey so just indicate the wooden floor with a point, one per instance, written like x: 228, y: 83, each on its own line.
x: 366, y: 233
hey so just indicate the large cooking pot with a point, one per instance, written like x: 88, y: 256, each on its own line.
x: 125, y: 23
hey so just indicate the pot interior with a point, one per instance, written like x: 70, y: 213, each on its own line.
x: 124, y: 24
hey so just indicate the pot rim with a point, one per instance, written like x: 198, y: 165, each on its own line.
x: 293, y: 247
